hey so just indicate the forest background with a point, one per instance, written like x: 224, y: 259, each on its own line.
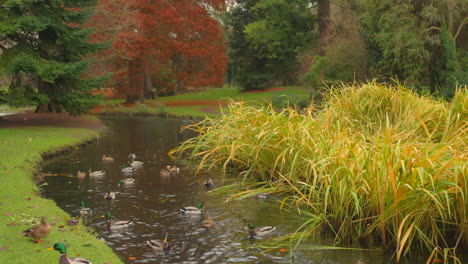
x: 55, y: 53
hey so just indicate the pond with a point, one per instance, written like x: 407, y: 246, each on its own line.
x: 153, y: 203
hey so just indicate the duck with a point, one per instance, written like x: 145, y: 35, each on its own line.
x: 208, y: 183
x: 38, y: 231
x: 127, y: 170
x: 127, y: 181
x: 85, y: 211
x: 107, y: 158
x: 80, y: 175
x: 96, y: 173
x: 136, y: 164
x: 159, y: 245
x: 116, y: 225
x: 131, y: 156
x: 207, y: 221
x: 262, y: 195
x: 192, y: 210
x: 109, y: 196
x: 260, y: 231
x: 166, y: 172
x: 174, y: 170
x: 64, y: 259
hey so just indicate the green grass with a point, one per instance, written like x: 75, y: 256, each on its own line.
x: 20, y: 203
x: 375, y: 163
x: 290, y: 95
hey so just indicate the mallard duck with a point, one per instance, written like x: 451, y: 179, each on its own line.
x: 136, y: 164
x: 192, y: 210
x: 208, y: 183
x: 64, y: 259
x: 174, y: 170
x: 131, y: 156
x: 127, y: 170
x: 109, y: 196
x: 80, y: 175
x: 85, y: 211
x: 260, y: 231
x: 207, y: 222
x: 107, y: 158
x: 166, y: 172
x: 115, y: 225
x: 127, y: 181
x: 38, y: 231
x: 96, y: 173
x: 159, y: 245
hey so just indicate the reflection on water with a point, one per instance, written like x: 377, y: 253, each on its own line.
x: 153, y: 203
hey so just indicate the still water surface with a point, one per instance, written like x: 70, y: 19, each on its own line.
x: 153, y: 203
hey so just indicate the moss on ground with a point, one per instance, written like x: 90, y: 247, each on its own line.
x: 21, y: 204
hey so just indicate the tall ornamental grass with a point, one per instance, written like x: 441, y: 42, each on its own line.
x: 375, y: 163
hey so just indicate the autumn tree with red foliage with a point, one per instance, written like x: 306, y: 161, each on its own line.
x: 172, y: 44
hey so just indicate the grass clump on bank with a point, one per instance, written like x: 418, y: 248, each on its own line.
x: 21, y: 204
x: 375, y: 163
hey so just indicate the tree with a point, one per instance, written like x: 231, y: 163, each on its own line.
x: 166, y: 43
x: 408, y: 40
x: 44, y: 49
x: 265, y: 38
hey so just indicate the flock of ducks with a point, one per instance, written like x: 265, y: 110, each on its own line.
x: 43, y: 229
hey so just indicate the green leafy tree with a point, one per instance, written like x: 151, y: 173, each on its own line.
x: 44, y: 48
x: 416, y: 41
x: 265, y: 38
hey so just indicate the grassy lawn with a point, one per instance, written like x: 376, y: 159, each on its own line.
x: 20, y: 203
x: 208, y: 100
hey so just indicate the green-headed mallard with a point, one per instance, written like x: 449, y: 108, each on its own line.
x: 107, y: 158
x: 64, y: 259
x: 136, y: 164
x: 109, y: 196
x: 116, y: 225
x: 127, y: 181
x: 85, y: 211
x: 260, y: 231
x: 127, y: 170
x: 192, y: 210
x: 159, y: 245
x: 207, y: 222
x: 96, y: 173
x: 38, y: 231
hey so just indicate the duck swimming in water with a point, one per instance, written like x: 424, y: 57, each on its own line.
x: 159, y: 246
x: 260, y: 231
x: 85, y: 211
x: 109, y: 196
x: 192, y: 210
x: 116, y: 225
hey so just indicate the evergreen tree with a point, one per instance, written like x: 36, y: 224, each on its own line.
x: 44, y: 48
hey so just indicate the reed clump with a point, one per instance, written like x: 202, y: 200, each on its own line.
x: 375, y: 163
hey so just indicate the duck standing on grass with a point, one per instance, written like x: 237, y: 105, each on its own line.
x: 159, y: 246
x: 85, y: 211
x: 109, y: 196
x: 116, y: 225
x: 38, y: 231
x: 260, y: 231
x: 64, y: 259
x: 192, y: 210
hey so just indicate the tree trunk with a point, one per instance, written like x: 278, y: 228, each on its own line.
x: 44, y: 107
x: 324, y: 23
x: 136, y: 84
x: 149, y: 93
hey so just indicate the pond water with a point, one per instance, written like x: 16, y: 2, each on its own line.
x: 153, y: 203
